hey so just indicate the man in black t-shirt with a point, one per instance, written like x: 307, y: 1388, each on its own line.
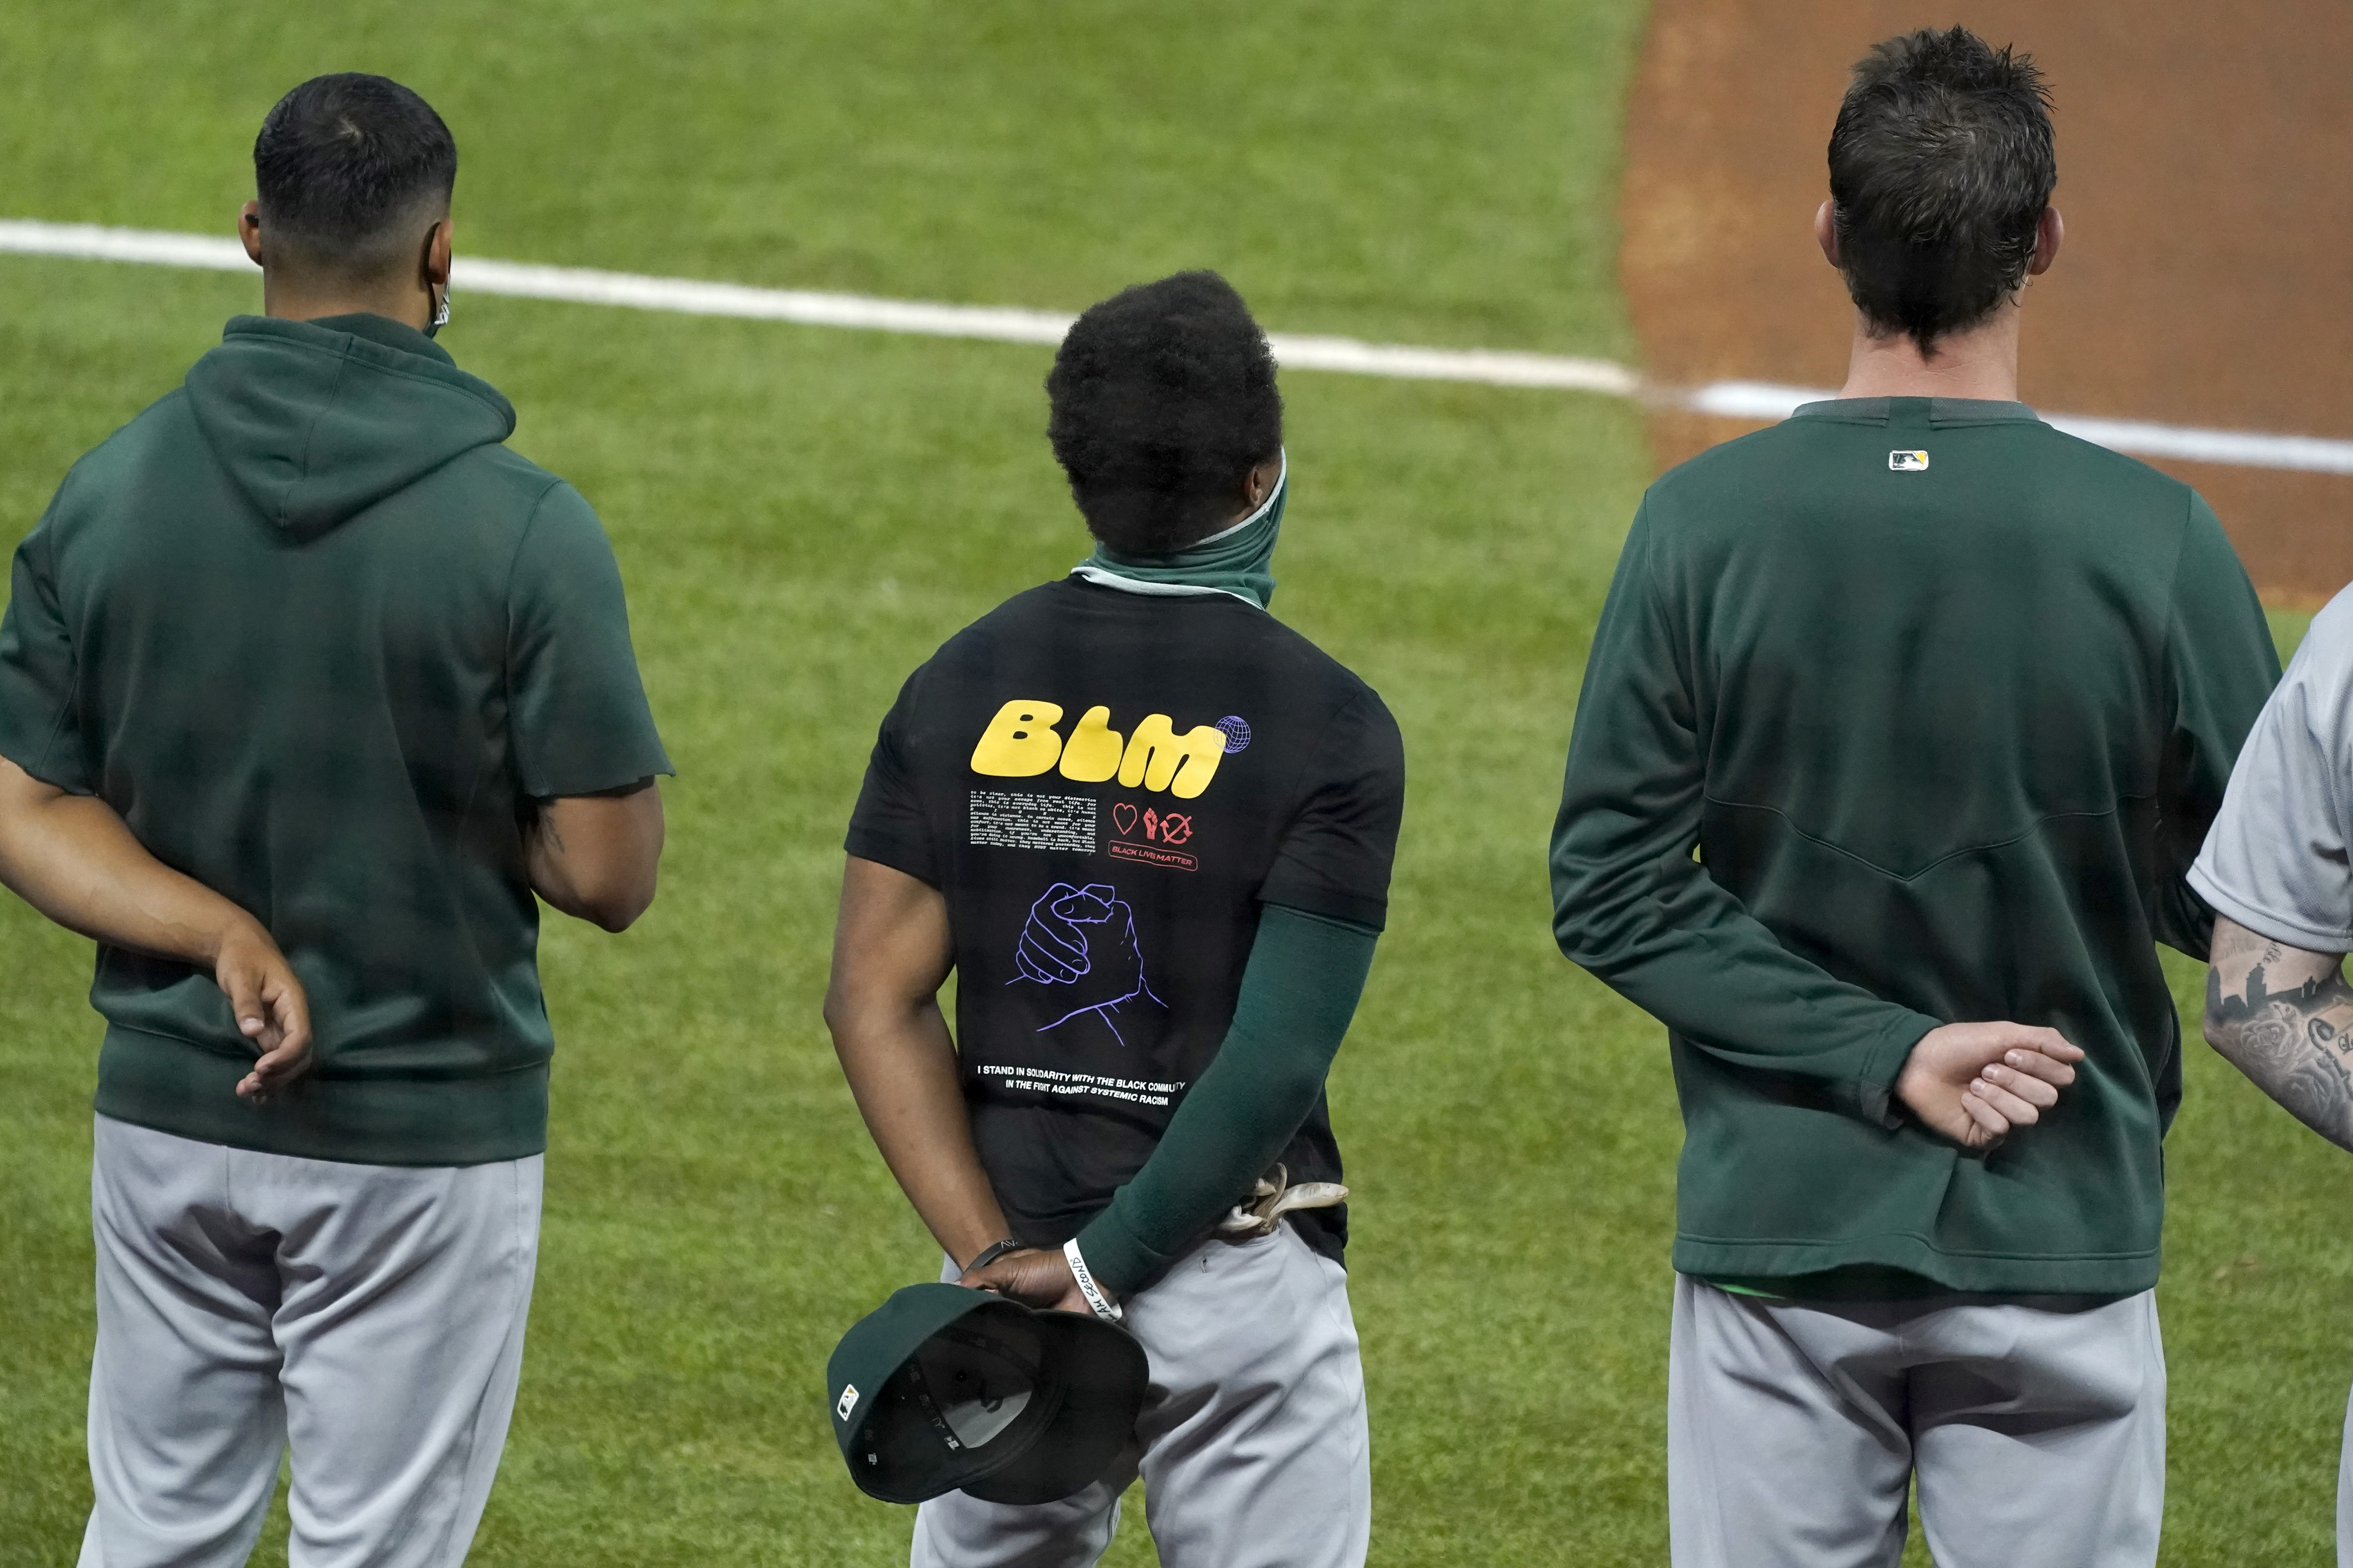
x: 1150, y: 829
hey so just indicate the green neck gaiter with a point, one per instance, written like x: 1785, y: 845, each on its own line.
x: 1232, y: 561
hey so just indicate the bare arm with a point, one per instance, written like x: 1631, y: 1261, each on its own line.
x: 72, y: 859
x: 2284, y: 1016
x: 892, y: 952
x: 596, y: 857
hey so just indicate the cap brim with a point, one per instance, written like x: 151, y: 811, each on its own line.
x: 1103, y: 1373
x: 894, y: 1448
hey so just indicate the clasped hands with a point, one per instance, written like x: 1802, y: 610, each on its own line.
x: 1974, y: 1082
x: 1036, y: 1276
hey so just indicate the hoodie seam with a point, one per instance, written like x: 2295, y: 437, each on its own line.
x: 309, y: 436
x: 2041, y: 821
x: 538, y: 504
x: 506, y: 600
x: 344, y: 355
x: 43, y: 766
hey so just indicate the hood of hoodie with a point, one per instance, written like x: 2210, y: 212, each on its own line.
x: 317, y: 421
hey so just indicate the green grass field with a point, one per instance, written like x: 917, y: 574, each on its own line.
x: 803, y: 515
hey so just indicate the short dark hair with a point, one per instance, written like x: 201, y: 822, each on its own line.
x: 344, y: 160
x: 1163, y: 400
x: 1941, y: 167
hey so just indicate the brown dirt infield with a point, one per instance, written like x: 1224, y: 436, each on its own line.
x: 2206, y: 175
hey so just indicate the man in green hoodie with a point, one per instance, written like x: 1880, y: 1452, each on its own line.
x: 1901, y: 724
x: 307, y: 685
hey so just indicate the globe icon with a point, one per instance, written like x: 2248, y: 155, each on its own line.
x: 1238, y: 731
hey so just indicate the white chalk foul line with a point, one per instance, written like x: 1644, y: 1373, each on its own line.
x: 584, y: 286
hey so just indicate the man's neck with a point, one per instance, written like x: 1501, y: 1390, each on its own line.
x: 1979, y: 363
x: 410, y: 307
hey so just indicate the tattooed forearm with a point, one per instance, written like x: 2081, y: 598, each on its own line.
x: 2284, y: 1018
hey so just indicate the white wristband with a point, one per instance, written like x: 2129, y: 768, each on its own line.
x: 1105, y: 1307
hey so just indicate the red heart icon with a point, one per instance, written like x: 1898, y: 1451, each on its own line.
x: 1123, y: 817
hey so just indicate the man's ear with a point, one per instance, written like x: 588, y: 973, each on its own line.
x: 2049, y: 231
x: 1826, y: 230
x: 248, y: 229
x: 1259, y: 483
x: 435, y: 268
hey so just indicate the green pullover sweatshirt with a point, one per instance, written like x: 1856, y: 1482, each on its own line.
x: 1899, y: 713
x: 321, y: 639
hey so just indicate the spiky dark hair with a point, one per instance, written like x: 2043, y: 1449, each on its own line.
x: 1941, y: 165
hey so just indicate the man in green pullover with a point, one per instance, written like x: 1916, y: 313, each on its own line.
x: 1149, y: 827
x: 1902, y: 725
x: 307, y: 685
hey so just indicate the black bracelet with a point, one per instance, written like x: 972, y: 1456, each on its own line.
x: 991, y: 1253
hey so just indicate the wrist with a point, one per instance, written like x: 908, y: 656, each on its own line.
x: 1880, y: 1090
x: 234, y: 930
x: 1098, y: 1301
x: 1118, y: 1258
x: 964, y: 1236
x: 990, y: 1254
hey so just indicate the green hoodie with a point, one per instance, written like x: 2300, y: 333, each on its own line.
x: 321, y: 638
x: 1907, y: 713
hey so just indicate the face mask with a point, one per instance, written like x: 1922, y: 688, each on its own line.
x: 1234, y: 560
x: 441, y: 313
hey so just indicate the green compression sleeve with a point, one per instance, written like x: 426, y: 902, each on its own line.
x: 1299, y: 992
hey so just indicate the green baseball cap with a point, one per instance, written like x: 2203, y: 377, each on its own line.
x: 944, y: 1388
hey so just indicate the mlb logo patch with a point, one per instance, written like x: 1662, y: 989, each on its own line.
x: 848, y: 1402
x: 1908, y: 462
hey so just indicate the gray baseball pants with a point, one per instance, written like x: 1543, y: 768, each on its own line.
x: 2037, y: 1435
x: 371, y: 1317
x: 1252, y: 1443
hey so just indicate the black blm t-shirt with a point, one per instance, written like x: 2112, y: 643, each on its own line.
x: 1106, y: 786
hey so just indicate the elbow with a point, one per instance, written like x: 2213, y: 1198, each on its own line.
x: 627, y: 889
x: 1287, y: 1090
x: 849, y: 1011
x: 1297, y: 1096
x: 2229, y: 1036
x: 598, y: 858
x: 624, y: 906
x: 854, y: 1013
x: 615, y: 905
x: 1596, y: 918
x: 618, y: 915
